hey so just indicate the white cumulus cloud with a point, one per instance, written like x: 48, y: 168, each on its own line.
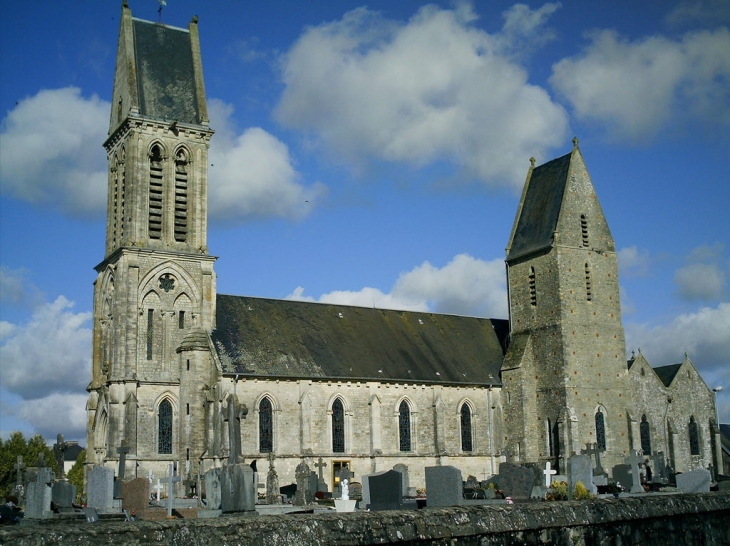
x: 464, y: 286
x: 434, y: 89
x: 635, y: 89
x: 55, y: 414
x: 51, y: 151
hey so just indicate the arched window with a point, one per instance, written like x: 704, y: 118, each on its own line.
x: 645, y: 435
x: 600, y: 430
x: 338, y: 426
x: 404, y: 426
x: 266, y: 426
x: 164, y: 427
x: 466, y: 431
x: 181, y: 196
x: 533, y: 288
x: 155, y: 193
x: 694, y: 437
x: 584, y: 229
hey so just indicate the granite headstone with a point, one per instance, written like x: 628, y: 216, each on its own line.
x: 100, y: 488
x: 444, y: 486
x: 694, y: 481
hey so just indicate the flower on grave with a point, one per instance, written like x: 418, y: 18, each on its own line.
x: 421, y: 492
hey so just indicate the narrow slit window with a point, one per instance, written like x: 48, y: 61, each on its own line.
x: 694, y: 437
x: 338, y: 426
x: 266, y: 426
x: 150, y: 332
x: 155, y: 194
x: 164, y: 424
x: 181, y: 197
x: 600, y: 430
x: 181, y: 320
x: 533, y: 288
x: 584, y: 230
x: 589, y: 288
x: 466, y: 431
x: 404, y: 426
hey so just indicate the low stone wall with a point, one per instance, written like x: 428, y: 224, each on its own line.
x: 685, y: 519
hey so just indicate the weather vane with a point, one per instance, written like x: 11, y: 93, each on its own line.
x: 159, y: 10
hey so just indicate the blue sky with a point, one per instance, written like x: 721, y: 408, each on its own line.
x: 373, y: 155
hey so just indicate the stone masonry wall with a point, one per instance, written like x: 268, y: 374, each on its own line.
x: 658, y: 520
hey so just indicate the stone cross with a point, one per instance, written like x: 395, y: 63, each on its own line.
x: 170, y: 479
x: 592, y: 449
x: 320, y: 465
x: 234, y: 413
x: 157, y: 489
x: 634, y: 460
x: 19, y: 467
x: 41, y: 462
x: 548, y: 472
x: 59, y: 450
x: 122, y: 450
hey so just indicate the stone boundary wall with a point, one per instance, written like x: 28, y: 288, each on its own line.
x: 685, y: 519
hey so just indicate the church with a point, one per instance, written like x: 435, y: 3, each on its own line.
x: 185, y: 376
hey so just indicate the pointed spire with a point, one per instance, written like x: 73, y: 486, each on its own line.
x: 575, y: 143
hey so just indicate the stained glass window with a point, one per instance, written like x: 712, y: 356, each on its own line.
x: 150, y: 332
x: 466, y: 441
x: 164, y: 416
x: 404, y: 426
x: 694, y: 437
x: 645, y: 436
x: 338, y: 426
x: 600, y: 430
x: 266, y: 427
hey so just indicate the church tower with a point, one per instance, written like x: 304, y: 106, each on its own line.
x: 154, y: 297
x: 565, y: 375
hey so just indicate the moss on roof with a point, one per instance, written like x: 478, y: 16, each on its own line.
x: 282, y: 338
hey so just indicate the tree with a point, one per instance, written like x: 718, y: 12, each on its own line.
x: 29, y: 450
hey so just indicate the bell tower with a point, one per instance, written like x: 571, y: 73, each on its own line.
x: 155, y: 289
x: 565, y: 375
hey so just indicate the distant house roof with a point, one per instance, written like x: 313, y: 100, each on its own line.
x: 725, y: 438
x: 540, y: 208
x: 667, y: 373
x: 165, y: 72
x: 293, y: 339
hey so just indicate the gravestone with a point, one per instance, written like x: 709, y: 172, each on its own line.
x: 403, y: 469
x: 549, y: 473
x: 273, y: 496
x: 659, y: 467
x: 635, y: 460
x: 59, y: 451
x: 386, y: 491
x: 321, y: 484
x: 694, y: 481
x: 212, y: 489
x: 471, y: 482
x: 312, y: 487
x: 100, y: 488
x: 39, y: 495
x: 91, y: 514
x: 63, y: 495
x: 366, y: 486
x: 170, y: 480
x: 136, y: 495
x: 515, y: 481
x: 234, y: 413
x: 355, y: 490
x: 593, y: 449
x: 302, y: 474
x: 238, y: 488
x: 580, y: 469
x: 622, y: 475
x: 444, y: 486
x: 289, y: 491
x: 19, y: 488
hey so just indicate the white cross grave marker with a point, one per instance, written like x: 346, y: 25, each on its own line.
x: 548, y: 472
x: 158, y: 488
x: 171, y: 479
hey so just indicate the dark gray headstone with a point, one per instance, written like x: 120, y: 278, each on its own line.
x: 355, y: 490
x: 63, y: 495
x: 366, y: 486
x: 386, y: 491
x: 100, y: 488
x: 91, y: 514
x: 313, y: 487
x: 659, y: 467
x: 694, y: 481
x: 580, y: 469
x: 403, y: 469
x: 238, y: 488
x: 136, y: 495
x: 444, y: 486
x: 516, y: 481
x: 622, y: 475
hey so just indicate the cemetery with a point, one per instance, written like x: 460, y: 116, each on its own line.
x: 375, y: 508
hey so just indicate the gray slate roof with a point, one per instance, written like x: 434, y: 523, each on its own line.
x: 541, y: 208
x: 292, y: 339
x: 165, y: 74
x: 667, y: 373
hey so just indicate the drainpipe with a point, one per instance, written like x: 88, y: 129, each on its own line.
x: 489, y: 419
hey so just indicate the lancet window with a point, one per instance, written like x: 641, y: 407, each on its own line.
x: 181, y: 196
x: 338, y: 426
x: 404, y: 426
x: 164, y: 427
x: 266, y: 426
x: 466, y: 430
x: 645, y: 434
x: 600, y: 430
x: 694, y: 437
x: 155, y: 193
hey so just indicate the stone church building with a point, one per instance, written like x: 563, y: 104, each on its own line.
x: 182, y: 375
